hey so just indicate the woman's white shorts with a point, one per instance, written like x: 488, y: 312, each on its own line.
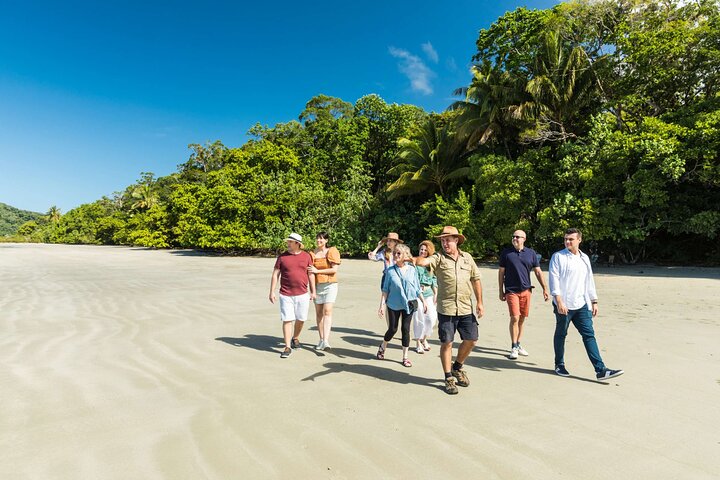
x: 326, y: 293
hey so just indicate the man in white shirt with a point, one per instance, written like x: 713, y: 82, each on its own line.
x: 575, y: 300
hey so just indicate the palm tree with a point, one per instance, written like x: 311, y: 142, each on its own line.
x: 560, y: 88
x: 430, y: 161
x: 144, y: 197
x: 485, y: 111
x: 53, y: 214
x: 144, y: 194
x: 546, y: 101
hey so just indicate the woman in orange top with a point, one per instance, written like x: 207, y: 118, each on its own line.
x: 325, y: 265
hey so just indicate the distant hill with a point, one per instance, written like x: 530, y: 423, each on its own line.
x: 11, y: 218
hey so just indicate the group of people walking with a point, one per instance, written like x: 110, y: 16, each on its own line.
x: 438, y: 288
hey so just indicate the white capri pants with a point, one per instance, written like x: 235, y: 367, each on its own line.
x: 294, y: 307
x: 423, y: 323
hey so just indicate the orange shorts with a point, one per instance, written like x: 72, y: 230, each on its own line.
x: 518, y: 303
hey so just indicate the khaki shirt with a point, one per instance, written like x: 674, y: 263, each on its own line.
x: 454, y: 281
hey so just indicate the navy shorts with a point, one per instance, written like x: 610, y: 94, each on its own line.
x: 465, y: 325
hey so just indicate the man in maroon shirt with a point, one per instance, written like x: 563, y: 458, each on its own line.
x: 291, y: 268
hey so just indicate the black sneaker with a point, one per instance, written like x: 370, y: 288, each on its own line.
x: 285, y: 353
x: 608, y: 374
x: 562, y: 371
x: 295, y: 343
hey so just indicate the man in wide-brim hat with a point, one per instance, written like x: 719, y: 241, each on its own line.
x: 458, y: 279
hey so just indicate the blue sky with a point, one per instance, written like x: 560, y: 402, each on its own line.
x: 93, y: 93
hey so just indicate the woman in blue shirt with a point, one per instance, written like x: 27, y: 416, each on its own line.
x: 400, y: 287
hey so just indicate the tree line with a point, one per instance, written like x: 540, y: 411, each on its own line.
x: 602, y: 115
x: 12, y: 218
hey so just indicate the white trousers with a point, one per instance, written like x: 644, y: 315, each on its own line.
x: 423, y: 323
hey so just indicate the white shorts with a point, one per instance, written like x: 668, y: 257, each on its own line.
x: 326, y: 293
x: 294, y: 307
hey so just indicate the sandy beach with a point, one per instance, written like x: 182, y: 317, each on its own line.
x: 122, y: 363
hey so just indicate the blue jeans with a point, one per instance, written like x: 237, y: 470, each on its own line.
x: 582, y: 319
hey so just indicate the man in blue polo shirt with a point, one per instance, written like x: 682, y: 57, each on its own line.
x: 515, y: 288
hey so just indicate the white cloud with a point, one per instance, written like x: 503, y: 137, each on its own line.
x: 415, y: 70
x: 451, y: 65
x: 430, y: 52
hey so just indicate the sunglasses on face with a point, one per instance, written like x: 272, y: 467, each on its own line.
x: 517, y: 236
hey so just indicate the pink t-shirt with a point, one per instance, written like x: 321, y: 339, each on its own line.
x: 293, y: 273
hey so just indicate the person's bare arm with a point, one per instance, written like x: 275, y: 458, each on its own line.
x: 477, y: 288
x: 541, y: 280
x: 383, y: 300
x: 273, y: 284
x: 371, y: 255
x: 311, y: 276
x: 421, y: 261
x: 501, y: 283
x: 324, y: 271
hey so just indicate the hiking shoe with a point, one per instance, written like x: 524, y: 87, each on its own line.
x: 450, y: 387
x: 562, y: 371
x: 608, y: 374
x: 513, y: 353
x: 285, y: 353
x: 522, y: 351
x: 461, y: 376
x: 295, y: 343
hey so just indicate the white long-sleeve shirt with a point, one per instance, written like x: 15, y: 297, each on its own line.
x: 571, y: 278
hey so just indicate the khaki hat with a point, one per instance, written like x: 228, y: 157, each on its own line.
x: 450, y: 232
x: 295, y: 238
x: 391, y: 236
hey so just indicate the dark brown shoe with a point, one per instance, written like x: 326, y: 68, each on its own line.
x: 462, y: 378
x: 450, y: 387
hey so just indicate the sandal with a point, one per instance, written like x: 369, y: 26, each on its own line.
x: 426, y: 347
x: 381, y: 353
x: 406, y: 362
x: 419, y: 349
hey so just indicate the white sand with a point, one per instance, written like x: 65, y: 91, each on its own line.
x: 119, y: 363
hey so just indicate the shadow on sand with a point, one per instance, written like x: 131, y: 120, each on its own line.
x: 262, y: 343
x: 377, y: 372
x: 479, y: 359
x: 498, y: 364
x: 268, y: 343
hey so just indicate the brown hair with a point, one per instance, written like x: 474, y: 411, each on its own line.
x: 429, y: 245
x: 570, y: 231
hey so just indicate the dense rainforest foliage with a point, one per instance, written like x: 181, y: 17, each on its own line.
x: 604, y: 115
x: 12, y: 218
